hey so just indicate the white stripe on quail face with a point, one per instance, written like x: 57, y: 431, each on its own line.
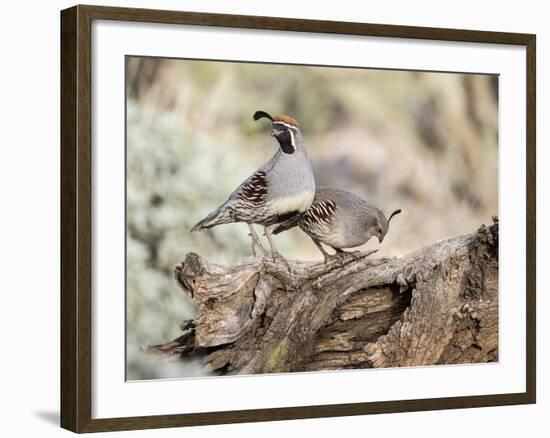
x: 292, y: 139
x: 297, y: 202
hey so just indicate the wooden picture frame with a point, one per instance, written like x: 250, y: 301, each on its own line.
x: 76, y: 217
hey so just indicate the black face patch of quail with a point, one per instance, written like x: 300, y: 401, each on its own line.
x: 285, y: 141
x: 255, y: 190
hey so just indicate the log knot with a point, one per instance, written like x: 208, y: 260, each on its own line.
x: 185, y: 272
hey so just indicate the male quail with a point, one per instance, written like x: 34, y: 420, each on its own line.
x: 340, y: 220
x: 280, y: 189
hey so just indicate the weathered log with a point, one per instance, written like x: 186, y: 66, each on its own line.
x: 437, y: 305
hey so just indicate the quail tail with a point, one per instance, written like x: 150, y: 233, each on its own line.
x: 219, y: 216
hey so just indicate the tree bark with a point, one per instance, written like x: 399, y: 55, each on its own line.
x: 437, y: 305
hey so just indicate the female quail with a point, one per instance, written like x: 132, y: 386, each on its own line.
x: 340, y: 220
x: 279, y: 190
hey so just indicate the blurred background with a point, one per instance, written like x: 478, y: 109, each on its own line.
x: 423, y: 142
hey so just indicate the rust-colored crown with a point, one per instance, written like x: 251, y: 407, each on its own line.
x: 286, y: 119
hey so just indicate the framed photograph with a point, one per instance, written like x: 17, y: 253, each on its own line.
x: 267, y: 218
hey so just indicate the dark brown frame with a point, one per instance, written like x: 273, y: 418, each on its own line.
x: 76, y: 219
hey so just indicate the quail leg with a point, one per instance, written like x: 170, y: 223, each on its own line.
x: 326, y: 255
x: 255, y: 241
x: 357, y: 255
x: 274, y: 253
x: 341, y: 253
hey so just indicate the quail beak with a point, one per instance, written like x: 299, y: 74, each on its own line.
x: 275, y: 132
x: 380, y: 239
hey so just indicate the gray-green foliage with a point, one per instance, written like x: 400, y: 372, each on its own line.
x: 171, y: 183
